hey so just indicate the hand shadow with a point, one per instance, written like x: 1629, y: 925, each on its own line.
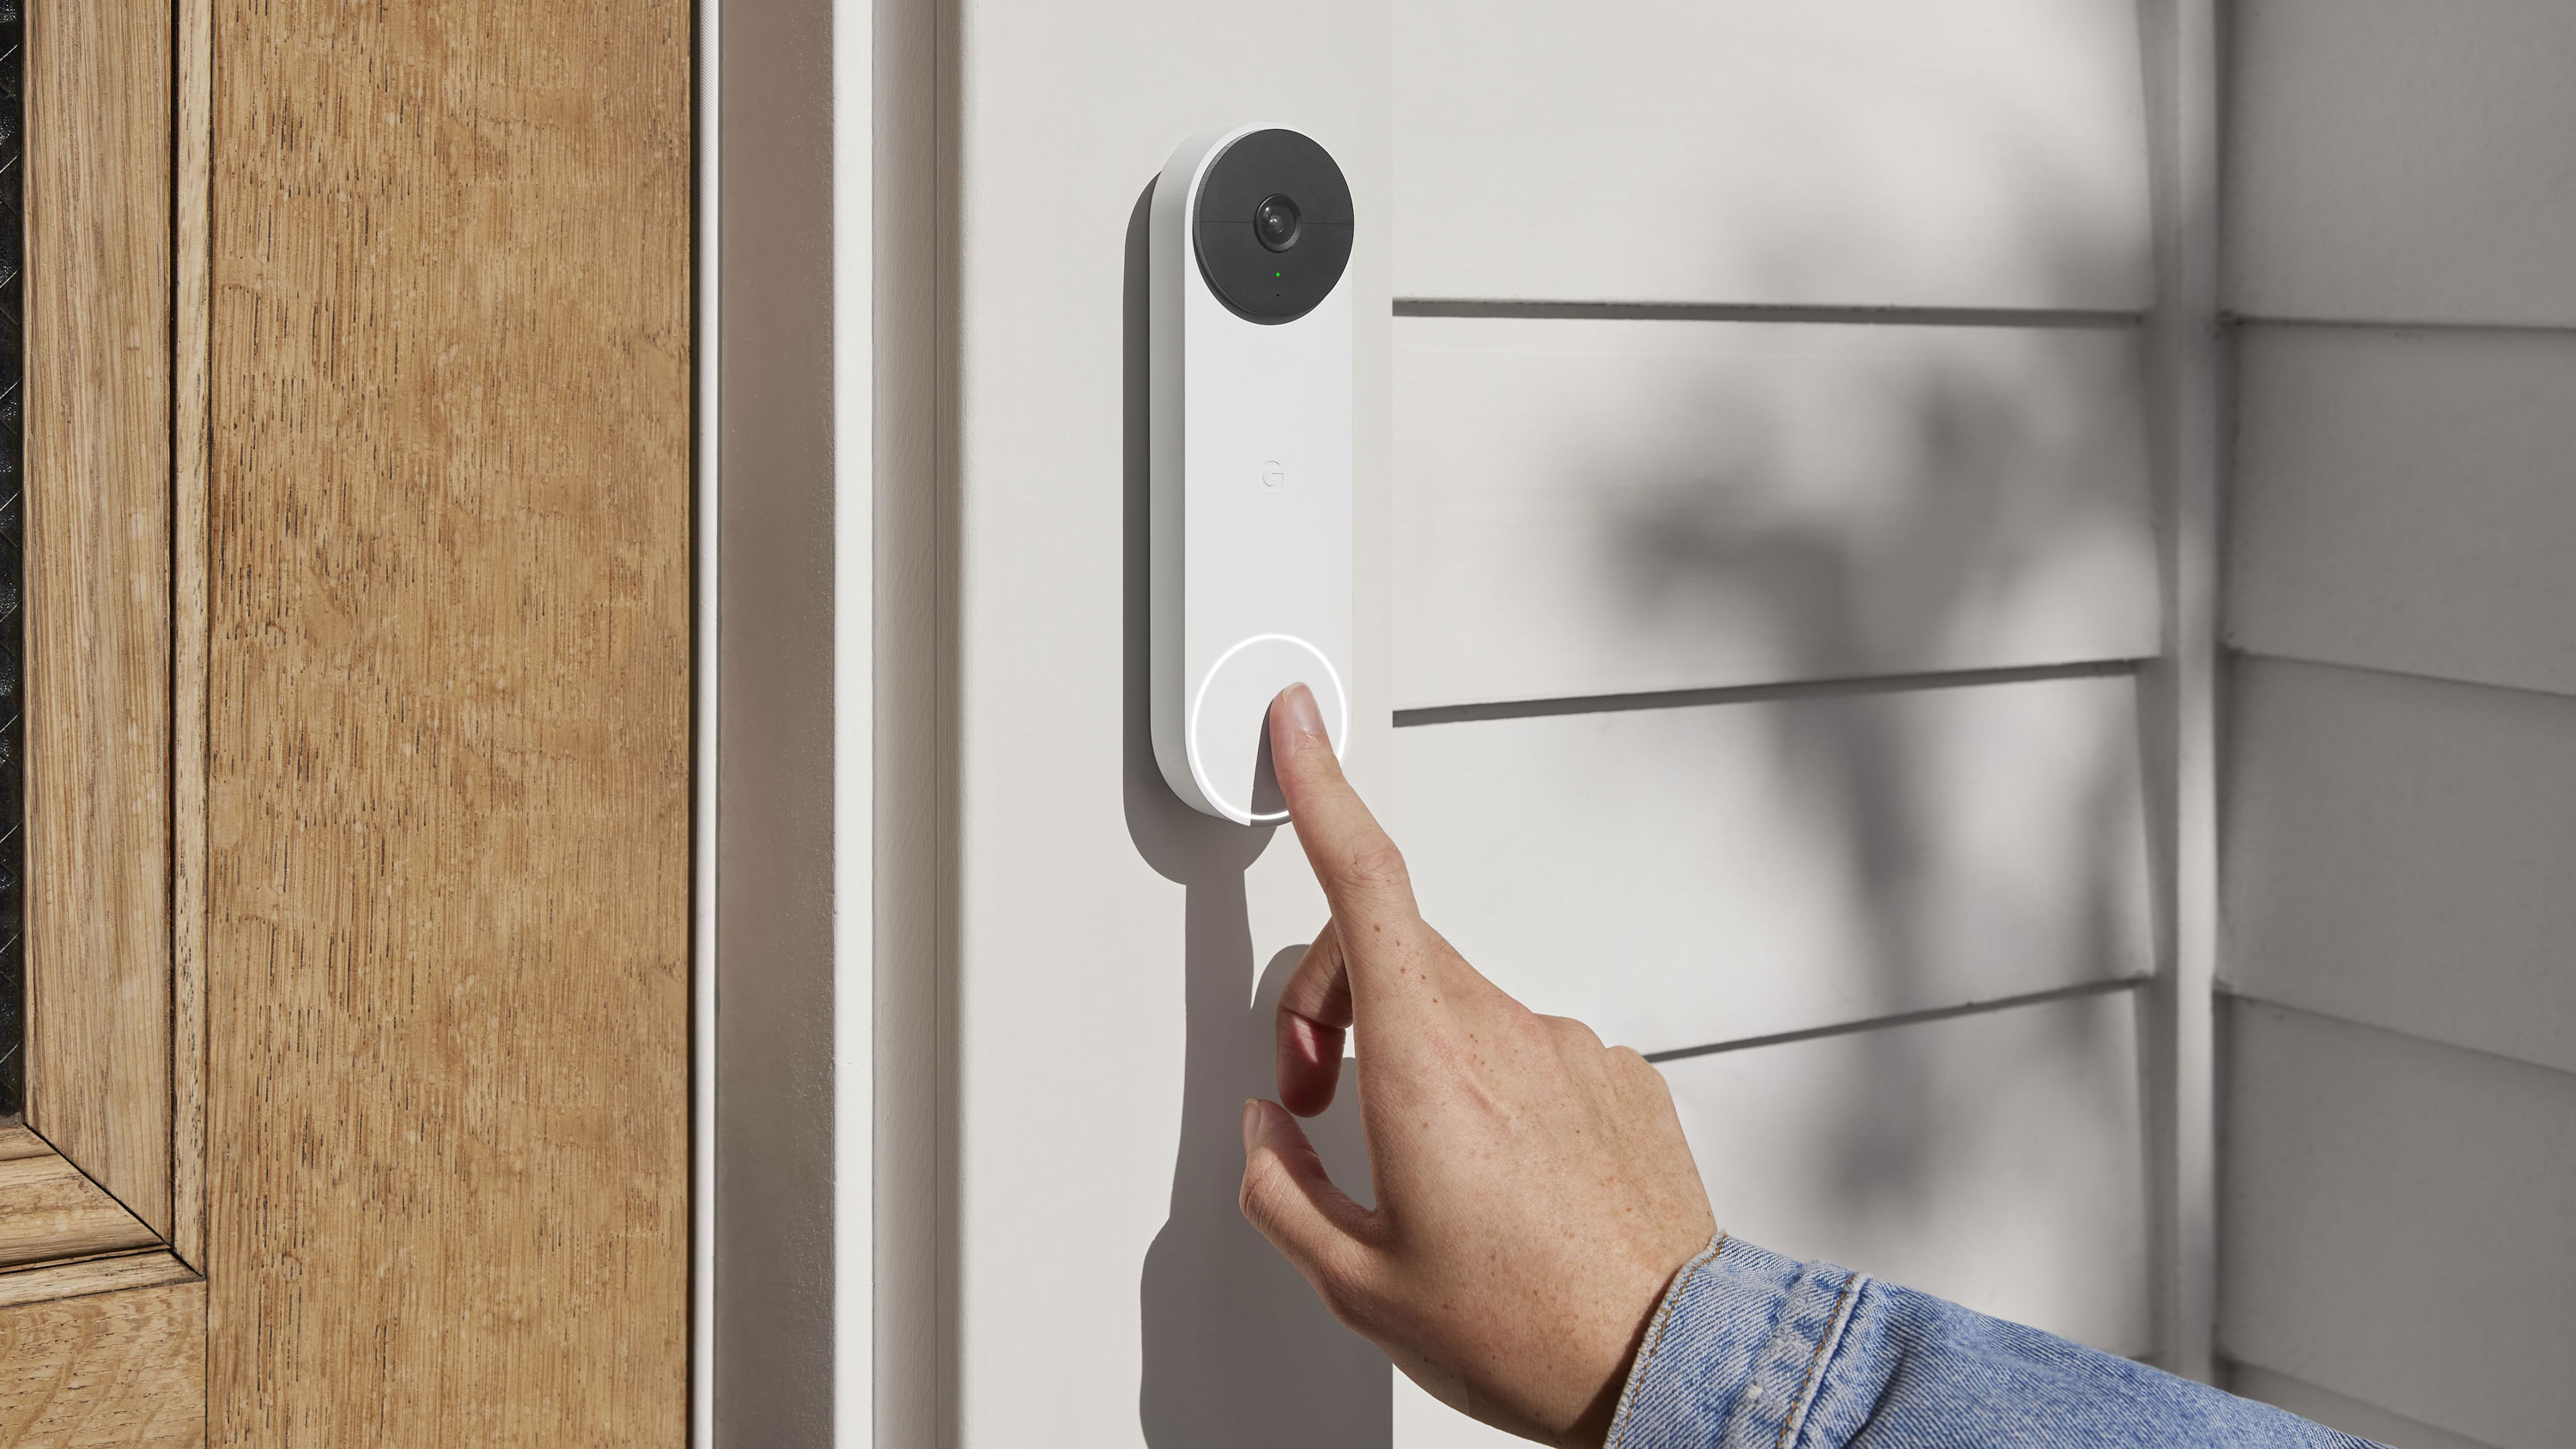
x: 1239, y: 1353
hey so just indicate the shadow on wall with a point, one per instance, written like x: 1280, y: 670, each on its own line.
x: 1834, y: 501
x: 1239, y: 1353
x: 1904, y: 558
x: 1874, y: 774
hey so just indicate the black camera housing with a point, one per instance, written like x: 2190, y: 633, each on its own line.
x: 1263, y: 178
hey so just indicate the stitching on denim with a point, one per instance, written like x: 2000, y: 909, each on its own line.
x: 1655, y: 1339
x: 1816, y: 1360
x: 1836, y: 1329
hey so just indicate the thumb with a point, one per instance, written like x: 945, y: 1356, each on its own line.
x: 1292, y: 1200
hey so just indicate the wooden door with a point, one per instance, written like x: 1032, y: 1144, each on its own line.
x: 359, y: 413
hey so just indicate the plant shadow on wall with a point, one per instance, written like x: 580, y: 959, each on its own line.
x: 1971, y: 503
x: 1935, y: 500
x: 1239, y: 1353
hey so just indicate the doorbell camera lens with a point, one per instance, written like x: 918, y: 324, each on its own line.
x: 1272, y: 225
x: 1275, y: 221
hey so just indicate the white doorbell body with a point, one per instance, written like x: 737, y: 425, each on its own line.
x: 1251, y: 552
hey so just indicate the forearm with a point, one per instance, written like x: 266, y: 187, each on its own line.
x: 1751, y: 1348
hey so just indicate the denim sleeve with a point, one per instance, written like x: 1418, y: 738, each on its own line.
x: 1751, y: 1350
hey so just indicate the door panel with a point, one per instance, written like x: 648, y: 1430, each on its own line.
x: 98, y: 546
x: 449, y: 747
x: 103, y: 1354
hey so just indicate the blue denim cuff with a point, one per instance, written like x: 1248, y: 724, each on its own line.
x: 1737, y: 1351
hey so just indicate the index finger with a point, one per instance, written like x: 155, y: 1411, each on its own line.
x: 1360, y: 869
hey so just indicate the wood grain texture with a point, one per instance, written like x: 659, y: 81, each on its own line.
x: 109, y: 1273
x: 17, y: 1141
x: 98, y: 585
x: 191, y: 337
x: 48, y: 1210
x: 125, y: 1369
x: 1604, y: 507
x: 449, y: 511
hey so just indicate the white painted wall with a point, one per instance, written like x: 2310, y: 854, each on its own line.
x: 1864, y: 414
x: 2403, y: 161
x: 2401, y: 1064
x: 1900, y: 563
x: 1105, y: 940
x: 1944, y: 153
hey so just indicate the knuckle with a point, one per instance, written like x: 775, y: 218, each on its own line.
x: 1571, y: 1034
x: 1378, y: 863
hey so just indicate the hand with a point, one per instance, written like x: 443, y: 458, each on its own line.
x: 1534, y: 1192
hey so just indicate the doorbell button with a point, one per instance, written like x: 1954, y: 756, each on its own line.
x: 1230, y: 721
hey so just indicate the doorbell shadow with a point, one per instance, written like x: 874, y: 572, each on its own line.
x: 1239, y: 1353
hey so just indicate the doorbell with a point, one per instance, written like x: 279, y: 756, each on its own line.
x: 1251, y: 512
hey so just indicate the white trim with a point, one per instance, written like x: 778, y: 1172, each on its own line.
x: 704, y: 666
x: 853, y: 721
x: 2188, y: 374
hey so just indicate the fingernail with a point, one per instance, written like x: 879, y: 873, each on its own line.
x: 1251, y: 1121
x: 1296, y: 706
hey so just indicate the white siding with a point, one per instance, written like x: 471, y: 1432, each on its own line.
x: 2401, y: 854
x: 2342, y: 1411
x: 2397, y: 844
x: 1955, y: 153
x: 2403, y: 160
x: 1979, y: 485
x: 1602, y: 507
x: 1676, y: 877
x: 2397, y: 1224
x: 1990, y: 1159
x: 2406, y: 499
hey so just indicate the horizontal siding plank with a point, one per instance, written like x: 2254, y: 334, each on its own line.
x: 2401, y: 501
x: 1994, y: 1160
x: 2394, y: 1223
x: 2397, y: 853
x: 1677, y: 877
x: 2357, y: 1417
x: 1980, y: 153
x: 2395, y: 160
x: 1604, y: 507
